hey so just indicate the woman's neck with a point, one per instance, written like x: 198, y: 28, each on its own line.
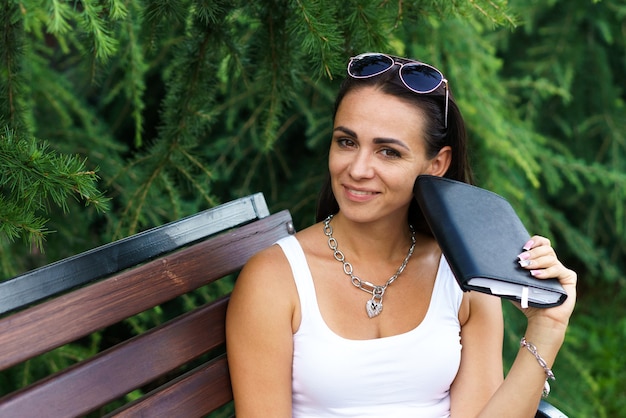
x: 386, y: 238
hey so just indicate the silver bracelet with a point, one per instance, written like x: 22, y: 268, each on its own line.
x: 549, y: 375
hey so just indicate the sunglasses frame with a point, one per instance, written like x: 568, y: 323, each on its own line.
x: 410, y: 63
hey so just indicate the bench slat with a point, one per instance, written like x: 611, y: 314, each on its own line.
x: 74, y: 315
x: 194, y: 394
x: 115, y: 372
x: 116, y: 256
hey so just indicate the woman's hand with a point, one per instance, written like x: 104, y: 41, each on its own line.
x: 522, y: 388
x: 540, y: 259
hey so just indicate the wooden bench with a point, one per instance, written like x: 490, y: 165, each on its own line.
x: 175, y: 369
x: 144, y: 271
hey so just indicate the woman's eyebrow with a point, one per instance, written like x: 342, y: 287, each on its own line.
x: 377, y: 141
x: 391, y: 141
x: 345, y: 130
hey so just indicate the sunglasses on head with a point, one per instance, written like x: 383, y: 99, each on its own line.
x: 416, y: 76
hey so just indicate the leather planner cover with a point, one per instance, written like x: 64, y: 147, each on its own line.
x: 481, y: 236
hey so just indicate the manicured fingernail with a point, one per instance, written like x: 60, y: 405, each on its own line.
x: 524, y: 256
x: 524, y: 263
x: 535, y: 272
x: 529, y: 245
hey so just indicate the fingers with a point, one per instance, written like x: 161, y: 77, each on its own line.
x: 537, y: 241
x: 541, y: 260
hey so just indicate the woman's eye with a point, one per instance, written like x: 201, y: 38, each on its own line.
x: 345, y: 143
x: 390, y: 152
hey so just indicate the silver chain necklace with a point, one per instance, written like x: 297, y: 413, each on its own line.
x: 374, y: 306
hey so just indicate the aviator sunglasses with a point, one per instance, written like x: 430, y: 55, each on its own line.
x: 416, y: 76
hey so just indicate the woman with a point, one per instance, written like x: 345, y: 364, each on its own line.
x: 307, y: 334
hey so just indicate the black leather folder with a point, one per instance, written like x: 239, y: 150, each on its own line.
x: 481, y: 236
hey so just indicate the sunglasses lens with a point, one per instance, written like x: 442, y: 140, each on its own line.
x: 421, y: 78
x: 369, y: 65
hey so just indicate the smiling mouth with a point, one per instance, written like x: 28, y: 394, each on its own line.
x: 361, y: 192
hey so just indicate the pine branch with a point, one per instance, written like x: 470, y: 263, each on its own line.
x: 60, y: 15
x: 32, y: 177
x: 367, y: 26
x: 15, y: 222
x: 11, y: 54
x: 94, y: 23
x: 495, y: 11
x: 129, y: 79
x: 318, y: 32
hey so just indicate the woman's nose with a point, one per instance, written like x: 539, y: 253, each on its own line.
x: 362, y: 165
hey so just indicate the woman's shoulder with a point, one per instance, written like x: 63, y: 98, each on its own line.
x: 270, y: 266
x: 264, y: 286
x: 266, y: 264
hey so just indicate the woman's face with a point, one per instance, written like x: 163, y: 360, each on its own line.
x: 377, y: 152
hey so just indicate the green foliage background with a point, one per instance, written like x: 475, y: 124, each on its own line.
x: 119, y: 115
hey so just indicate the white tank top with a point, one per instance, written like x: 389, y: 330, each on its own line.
x: 405, y: 375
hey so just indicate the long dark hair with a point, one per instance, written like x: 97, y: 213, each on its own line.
x: 436, y: 135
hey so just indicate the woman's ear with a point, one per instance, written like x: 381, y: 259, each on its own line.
x: 440, y: 163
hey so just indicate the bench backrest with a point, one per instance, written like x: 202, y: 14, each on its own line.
x: 175, y: 369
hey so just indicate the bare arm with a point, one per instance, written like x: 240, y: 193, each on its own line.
x: 259, y: 336
x: 480, y: 373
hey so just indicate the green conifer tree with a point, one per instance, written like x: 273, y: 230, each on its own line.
x: 173, y: 106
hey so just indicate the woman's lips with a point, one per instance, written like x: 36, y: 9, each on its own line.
x: 359, y: 195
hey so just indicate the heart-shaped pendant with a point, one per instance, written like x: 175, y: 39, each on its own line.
x: 373, y: 308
